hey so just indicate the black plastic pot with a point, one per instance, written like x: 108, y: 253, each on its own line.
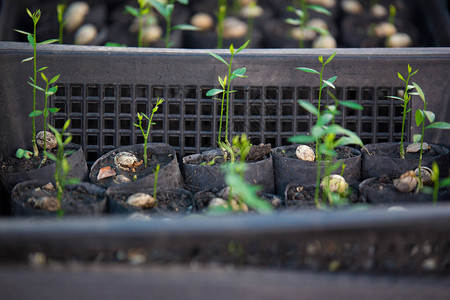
x: 78, y: 170
x: 377, y: 160
x: 169, y: 202
x: 288, y: 168
x: 82, y: 199
x: 169, y: 174
x: 201, y: 177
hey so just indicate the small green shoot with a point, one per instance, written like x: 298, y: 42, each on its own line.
x: 221, y: 14
x: 166, y: 10
x: 140, y: 13
x: 225, y: 90
x: 62, y: 168
x: 146, y: 133
x: 32, y: 39
x: 420, y: 117
x: 405, y: 99
x: 303, y: 18
x: 392, y: 14
x: 437, y: 183
x: 155, y: 185
x: 23, y: 153
x: 60, y: 8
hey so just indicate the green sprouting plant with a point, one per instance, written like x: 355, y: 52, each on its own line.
x: 140, y: 13
x: 48, y: 91
x: 155, y: 184
x: 114, y: 44
x: 225, y: 90
x: 303, y: 19
x: 33, y: 42
x: 60, y: 8
x: 166, y: 11
x: 221, y: 14
x: 405, y: 99
x: 420, y: 118
x: 23, y: 153
x: 392, y: 14
x: 437, y: 183
x: 62, y: 168
x: 146, y: 133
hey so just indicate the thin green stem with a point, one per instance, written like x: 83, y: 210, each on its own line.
x: 406, y: 99
x: 303, y: 22
x: 228, y: 98
x: 155, y: 185
x: 33, y: 140
x: 421, y: 145
x: 318, y: 173
x: 221, y: 118
x: 140, y: 30
x: 220, y: 20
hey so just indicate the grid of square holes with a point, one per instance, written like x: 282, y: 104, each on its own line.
x: 102, y: 115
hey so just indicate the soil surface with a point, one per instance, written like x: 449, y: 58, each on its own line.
x: 343, y: 152
x: 395, y: 152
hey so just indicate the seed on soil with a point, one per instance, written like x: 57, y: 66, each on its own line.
x: 234, y: 28
x: 337, y: 183
x: 203, y: 21
x: 105, y: 172
x: 127, y: 161
x: 406, y: 183
x: 415, y: 147
x: 49, y: 187
x: 384, y: 29
x: 378, y: 11
x: 426, y: 174
x: 85, y: 35
x: 122, y: 179
x: 352, y: 7
x: 236, y: 206
x: 399, y: 40
x: 74, y: 15
x: 306, y: 153
x: 217, y: 202
x: 46, y: 203
x: 49, y: 137
x: 142, y: 200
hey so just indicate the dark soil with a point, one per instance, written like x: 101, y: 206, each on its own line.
x: 395, y: 153
x: 168, y: 202
x: 343, y: 152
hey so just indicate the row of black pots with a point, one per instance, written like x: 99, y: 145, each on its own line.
x: 274, y: 173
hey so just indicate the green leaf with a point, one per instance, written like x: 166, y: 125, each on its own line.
x: 53, y: 110
x: 417, y: 138
x: 317, y: 132
x: 242, y: 47
x: 438, y: 125
x: 214, y: 92
x: 51, y: 41
x: 445, y: 182
x: 319, y: 9
x: 27, y: 59
x: 31, y: 40
x: 22, y: 32
x: 415, y: 72
x: 396, y: 98
x: 185, y: 27
x: 218, y: 58
x: 419, y: 91
x: 291, y: 21
x: 331, y: 57
x: 336, y: 129
x: 160, y: 8
x: 44, y: 77
x: 72, y: 181
x: 419, y: 117
x: 332, y: 79
x: 430, y: 116
x: 408, y: 110
x: 409, y: 69
x: 66, y: 125
x: 298, y: 12
x: 132, y: 11
x: 231, y: 49
x: 308, y: 70
x: 320, y: 58
x: 35, y: 113
x: 40, y: 70
x: 309, y: 107
x: 184, y: 2
x: 238, y: 73
x: 302, y: 139
x: 36, y: 86
x: 324, y: 119
x: 328, y: 84
x: 54, y: 79
x: 351, y: 104
x: 323, y: 149
x: 401, y: 77
x: 51, y: 156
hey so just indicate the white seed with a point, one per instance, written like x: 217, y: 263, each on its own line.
x: 121, y: 179
x: 352, y: 7
x: 378, y: 11
x: 49, y: 137
x: 85, y: 34
x: 217, y: 202
x: 337, y: 183
x: 384, y: 29
x: 126, y: 160
x: 252, y: 11
x: 415, y: 147
x: 203, y: 21
x: 141, y: 200
x: 325, y: 41
x: 74, y: 15
x: 306, y: 153
x: 426, y: 174
x: 305, y: 35
x: 151, y: 34
x: 406, y: 183
x: 399, y: 40
x: 234, y: 28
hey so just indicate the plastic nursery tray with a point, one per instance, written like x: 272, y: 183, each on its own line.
x: 101, y: 89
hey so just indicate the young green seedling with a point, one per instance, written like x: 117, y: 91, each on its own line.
x: 221, y: 14
x: 23, y: 153
x: 155, y: 185
x: 33, y: 42
x: 146, y: 133
x: 437, y: 183
x: 60, y: 8
x: 303, y: 19
x: 225, y: 90
x: 405, y: 99
x: 62, y: 168
x: 392, y: 14
x: 166, y: 11
x: 140, y: 13
x: 48, y: 91
x: 420, y: 118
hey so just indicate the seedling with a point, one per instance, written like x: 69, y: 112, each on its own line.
x: 140, y: 13
x: 420, y: 118
x: 437, y: 183
x: 392, y: 14
x: 146, y: 133
x: 225, y: 90
x: 303, y: 17
x: 155, y: 185
x: 166, y: 11
x: 48, y: 91
x: 221, y: 14
x: 33, y: 42
x: 60, y: 8
x: 62, y: 168
x: 405, y: 99
x: 23, y: 153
